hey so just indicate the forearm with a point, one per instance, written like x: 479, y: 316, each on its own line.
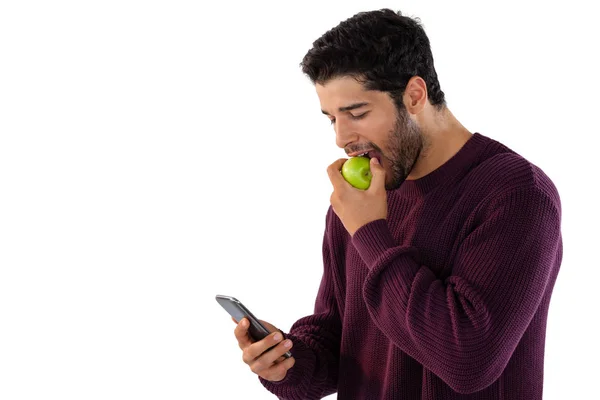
x: 444, y: 326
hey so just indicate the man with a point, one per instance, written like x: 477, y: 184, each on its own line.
x: 437, y: 278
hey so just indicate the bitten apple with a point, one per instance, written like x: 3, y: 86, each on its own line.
x: 357, y: 172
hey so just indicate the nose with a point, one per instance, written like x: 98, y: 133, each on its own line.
x: 344, y: 133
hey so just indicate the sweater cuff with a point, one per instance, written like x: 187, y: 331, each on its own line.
x: 298, y: 376
x: 372, y: 240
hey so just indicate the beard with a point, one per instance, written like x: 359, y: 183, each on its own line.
x: 405, y: 144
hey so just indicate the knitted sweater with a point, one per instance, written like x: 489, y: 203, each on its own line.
x: 445, y: 299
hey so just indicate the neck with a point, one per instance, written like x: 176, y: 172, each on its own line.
x: 443, y: 137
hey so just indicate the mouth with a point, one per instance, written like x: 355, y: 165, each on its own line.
x: 359, y: 154
x: 369, y: 154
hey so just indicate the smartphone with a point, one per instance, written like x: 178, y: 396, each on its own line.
x: 237, y: 310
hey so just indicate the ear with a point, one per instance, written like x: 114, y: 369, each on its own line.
x: 415, y: 95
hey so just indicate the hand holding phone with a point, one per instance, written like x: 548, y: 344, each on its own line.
x: 266, y: 353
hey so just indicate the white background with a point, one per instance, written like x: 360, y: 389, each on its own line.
x: 154, y: 154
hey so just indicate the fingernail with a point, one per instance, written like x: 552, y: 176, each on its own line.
x: 287, y: 343
x: 277, y: 337
x: 374, y: 160
x: 244, y: 323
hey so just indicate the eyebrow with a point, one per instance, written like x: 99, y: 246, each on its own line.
x: 348, y: 108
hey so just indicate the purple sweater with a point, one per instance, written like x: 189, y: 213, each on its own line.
x: 446, y: 299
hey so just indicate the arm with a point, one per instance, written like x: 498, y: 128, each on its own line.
x: 466, y: 327
x: 316, y: 341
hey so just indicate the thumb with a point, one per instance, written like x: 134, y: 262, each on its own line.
x: 378, y: 180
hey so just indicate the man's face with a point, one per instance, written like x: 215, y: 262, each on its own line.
x: 370, y: 121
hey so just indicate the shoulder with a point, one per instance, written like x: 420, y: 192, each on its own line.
x: 502, y: 173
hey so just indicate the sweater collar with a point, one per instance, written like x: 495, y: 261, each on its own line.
x: 457, y: 165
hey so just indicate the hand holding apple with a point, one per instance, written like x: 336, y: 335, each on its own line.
x: 357, y: 207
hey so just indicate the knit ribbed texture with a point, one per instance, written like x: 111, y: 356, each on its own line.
x: 445, y: 299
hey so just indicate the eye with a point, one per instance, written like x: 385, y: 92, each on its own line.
x: 354, y: 117
x: 361, y: 116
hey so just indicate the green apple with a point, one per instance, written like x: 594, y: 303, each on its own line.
x: 357, y: 172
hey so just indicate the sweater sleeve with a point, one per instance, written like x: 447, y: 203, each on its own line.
x: 316, y: 340
x: 465, y: 328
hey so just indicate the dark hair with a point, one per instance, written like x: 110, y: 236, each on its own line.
x: 382, y: 49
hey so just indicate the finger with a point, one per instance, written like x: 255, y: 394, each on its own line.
x: 378, y: 179
x: 241, y: 334
x: 256, y: 349
x: 334, y: 172
x: 269, y: 358
x: 278, y: 371
x: 277, y: 353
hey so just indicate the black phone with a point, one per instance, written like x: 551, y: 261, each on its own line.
x: 237, y: 310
